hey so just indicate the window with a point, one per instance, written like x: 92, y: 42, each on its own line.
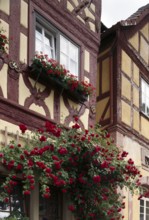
x: 144, y: 209
x: 16, y: 205
x: 51, y: 208
x: 145, y: 97
x: 56, y: 45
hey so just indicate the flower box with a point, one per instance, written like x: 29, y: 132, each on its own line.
x: 50, y: 72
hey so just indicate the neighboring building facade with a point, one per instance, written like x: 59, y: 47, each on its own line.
x: 68, y: 31
x: 123, y: 95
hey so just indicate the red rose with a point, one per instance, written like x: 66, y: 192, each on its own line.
x: 23, y: 128
x: 71, y: 208
x: 97, y: 179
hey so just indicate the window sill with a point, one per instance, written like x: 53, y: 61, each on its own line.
x: 56, y: 83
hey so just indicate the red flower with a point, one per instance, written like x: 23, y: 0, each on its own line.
x: 23, y: 128
x: 71, y: 208
x: 63, y: 151
x: 46, y: 195
x: 26, y: 192
x: 42, y: 138
x: 54, y: 157
x: 57, y: 165
x: 97, y: 179
x: 6, y: 200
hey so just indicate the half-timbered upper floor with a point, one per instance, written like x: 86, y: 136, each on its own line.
x: 67, y: 31
x: 123, y: 76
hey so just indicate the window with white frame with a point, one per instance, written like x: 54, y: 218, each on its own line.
x: 56, y: 45
x: 144, y: 209
x: 145, y: 97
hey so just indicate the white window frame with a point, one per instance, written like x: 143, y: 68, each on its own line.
x: 57, y: 38
x: 144, y: 207
x: 144, y: 97
x: 44, y: 31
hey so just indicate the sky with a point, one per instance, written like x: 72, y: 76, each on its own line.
x: 117, y: 10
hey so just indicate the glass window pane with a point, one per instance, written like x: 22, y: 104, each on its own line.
x: 64, y: 44
x: 39, y: 46
x: 38, y: 33
x: 73, y: 68
x: 141, y: 209
x: 73, y: 52
x: 147, y: 217
x: 142, y: 202
x: 141, y: 217
x: 64, y: 60
x: 147, y: 210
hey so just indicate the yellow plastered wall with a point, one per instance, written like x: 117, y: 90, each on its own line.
x: 105, y: 75
x: 24, y: 14
x: 134, y: 41
x: 126, y: 113
x: 84, y: 118
x: 49, y: 101
x: 145, y: 31
x: 136, y: 120
x: 143, y: 49
x: 126, y: 88
x: 38, y: 109
x: 63, y: 110
x: 69, y: 6
x: 23, y: 91
x: 92, y: 26
x: 126, y: 63
x: 88, y: 13
x: 5, y: 6
x: 3, y: 79
x: 10, y: 129
x: 86, y: 61
x: 135, y: 74
x: 136, y: 96
x: 75, y: 2
x: 23, y: 48
x: 100, y: 108
x: 144, y: 127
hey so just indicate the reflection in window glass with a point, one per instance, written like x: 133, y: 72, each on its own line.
x: 145, y: 97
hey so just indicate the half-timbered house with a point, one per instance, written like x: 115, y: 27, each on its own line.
x: 68, y: 31
x: 123, y: 95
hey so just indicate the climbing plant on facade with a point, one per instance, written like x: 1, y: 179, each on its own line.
x: 3, y: 41
x: 84, y: 164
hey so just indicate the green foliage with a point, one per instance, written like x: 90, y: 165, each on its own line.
x: 86, y: 165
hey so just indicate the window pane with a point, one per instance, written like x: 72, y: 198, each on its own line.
x: 147, y: 217
x: 141, y: 209
x: 38, y: 33
x: 73, y: 67
x: 39, y: 46
x: 64, y: 60
x: 64, y: 44
x: 142, y: 202
x: 73, y: 52
x: 141, y: 217
x: 147, y: 210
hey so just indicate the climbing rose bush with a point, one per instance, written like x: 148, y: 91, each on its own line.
x: 84, y: 164
x: 3, y: 41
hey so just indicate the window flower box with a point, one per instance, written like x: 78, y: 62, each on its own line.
x: 50, y: 72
